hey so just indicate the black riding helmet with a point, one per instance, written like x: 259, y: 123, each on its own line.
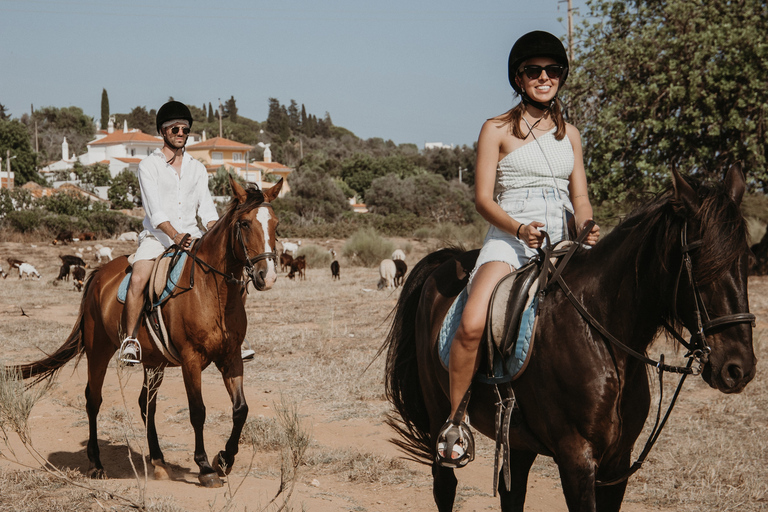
x: 170, y: 111
x: 536, y: 44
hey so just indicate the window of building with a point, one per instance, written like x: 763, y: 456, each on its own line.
x: 133, y: 152
x: 237, y: 157
x: 217, y: 157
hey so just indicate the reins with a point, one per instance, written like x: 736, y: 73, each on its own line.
x: 698, y: 349
x: 249, y: 262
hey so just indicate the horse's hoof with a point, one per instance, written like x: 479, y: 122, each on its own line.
x: 96, y: 474
x: 161, y: 470
x: 220, y: 465
x: 210, y: 480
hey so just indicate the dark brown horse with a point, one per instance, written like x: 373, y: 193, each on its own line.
x: 583, y: 399
x: 205, y: 319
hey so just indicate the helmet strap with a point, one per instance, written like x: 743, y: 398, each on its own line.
x: 176, y: 151
x: 527, y: 100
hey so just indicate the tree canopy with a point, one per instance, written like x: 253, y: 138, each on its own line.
x: 15, y: 138
x: 661, y: 83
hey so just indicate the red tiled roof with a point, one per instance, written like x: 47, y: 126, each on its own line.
x: 220, y: 143
x: 120, y: 137
x: 129, y: 160
x: 270, y: 166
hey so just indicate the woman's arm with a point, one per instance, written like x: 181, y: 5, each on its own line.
x: 577, y: 187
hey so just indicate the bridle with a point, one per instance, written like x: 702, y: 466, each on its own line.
x: 698, y: 348
x: 250, y: 262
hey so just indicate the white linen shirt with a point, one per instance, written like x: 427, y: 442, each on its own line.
x: 168, y: 196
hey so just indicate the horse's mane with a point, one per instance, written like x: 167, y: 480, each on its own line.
x: 718, y: 224
x: 254, y: 198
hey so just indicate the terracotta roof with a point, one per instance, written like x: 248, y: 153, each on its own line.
x: 129, y: 160
x: 120, y: 137
x: 220, y: 143
x: 272, y: 166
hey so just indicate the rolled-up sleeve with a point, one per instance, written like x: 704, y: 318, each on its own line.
x: 150, y: 194
x: 206, y: 208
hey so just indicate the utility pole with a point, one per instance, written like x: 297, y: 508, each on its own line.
x: 570, y: 29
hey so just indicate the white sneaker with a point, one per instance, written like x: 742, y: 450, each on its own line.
x: 130, y: 352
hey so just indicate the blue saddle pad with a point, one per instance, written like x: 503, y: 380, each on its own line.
x: 503, y: 370
x: 170, y: 285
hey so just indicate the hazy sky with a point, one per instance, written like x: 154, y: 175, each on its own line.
x: 407, y: 70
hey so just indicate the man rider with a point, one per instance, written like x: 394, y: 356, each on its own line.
x: 174, y: 189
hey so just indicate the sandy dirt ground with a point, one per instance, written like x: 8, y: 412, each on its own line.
x: 313, y: 341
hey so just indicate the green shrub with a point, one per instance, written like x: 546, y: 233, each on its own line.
x: 316, y: 256
x: 24, y: 220
x: 366, y: 248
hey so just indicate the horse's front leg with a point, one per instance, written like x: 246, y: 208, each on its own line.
x: 153, y: 377
x: 232, y: 373
x: 578, y: 470
x: 192, y: 383
x: 513, y: 499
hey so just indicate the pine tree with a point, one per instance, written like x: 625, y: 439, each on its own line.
x: 104, y: 109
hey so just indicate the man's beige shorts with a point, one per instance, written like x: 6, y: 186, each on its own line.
x: 149, y: 247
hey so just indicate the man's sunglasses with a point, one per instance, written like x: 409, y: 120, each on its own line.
x: 533, y: 72
x: 175, y: 130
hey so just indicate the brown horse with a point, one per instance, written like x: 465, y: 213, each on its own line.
x: 681, y: 260
x: 205, y: 320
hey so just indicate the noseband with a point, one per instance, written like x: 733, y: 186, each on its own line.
x: 250, y: 262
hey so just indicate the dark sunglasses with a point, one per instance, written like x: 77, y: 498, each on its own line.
x: 175, y: 130
x: 533, y: 72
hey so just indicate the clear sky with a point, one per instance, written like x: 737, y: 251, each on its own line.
x: 407, y: 70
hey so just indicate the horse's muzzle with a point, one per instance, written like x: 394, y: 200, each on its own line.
x: 732, y: 376
x: 263, y: 279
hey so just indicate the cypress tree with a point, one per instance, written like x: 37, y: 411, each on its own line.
x: 104, y: 109
x: 211, y: 117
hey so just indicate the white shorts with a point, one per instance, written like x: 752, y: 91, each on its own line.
x: 149, y: 247
x: 525, y: 205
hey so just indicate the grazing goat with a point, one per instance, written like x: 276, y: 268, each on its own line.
x: 63, y: 237
x: 400, y: 269
x: 14, y: 263
x: 63, y: 272
x: 335, y: 270
x: 299, y: 265
x: 78, y: 276
x: 398, y: 254
x: 291, y: 247
x: 129, y: 236
x: 387, y: 272
x: 285, y: 261
x: 72, y: 259
x: 103, y: 252
x: 86, y: 235
x: 28, y: 270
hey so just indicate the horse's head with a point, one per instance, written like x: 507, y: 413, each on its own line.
x: 254, y: 224
x: 711, y: 297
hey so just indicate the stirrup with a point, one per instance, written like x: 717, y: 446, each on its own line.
x: 455, y: 438
x: 130, y: 352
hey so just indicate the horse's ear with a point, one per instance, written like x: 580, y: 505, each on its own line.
x: 735, y: 183
x: 271, y: 193
x: 238, y: 192
x: 684, y: 193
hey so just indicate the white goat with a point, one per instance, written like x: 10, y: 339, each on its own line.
x: 103, y: 252
x: 291, y: 247
x: 29, y: 270
x: 129, y: 236
x: 387, y: 272
x: 398, y: 254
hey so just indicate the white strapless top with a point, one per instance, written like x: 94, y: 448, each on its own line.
x: 526, y: 166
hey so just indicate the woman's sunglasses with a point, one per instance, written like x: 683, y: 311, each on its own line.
x: 533, y: 72
x: 175, y: 130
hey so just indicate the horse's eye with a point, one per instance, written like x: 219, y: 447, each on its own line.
x: 245, y: 224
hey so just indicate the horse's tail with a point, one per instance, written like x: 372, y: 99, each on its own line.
x: 403, y: 388
x: 73, y: 347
